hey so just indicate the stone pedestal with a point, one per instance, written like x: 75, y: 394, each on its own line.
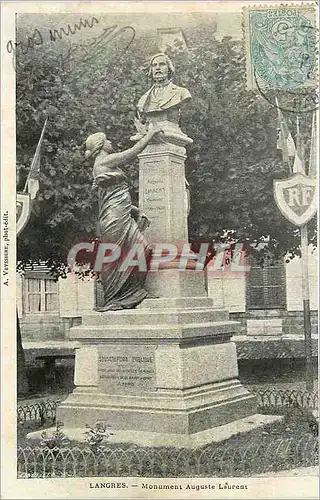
x: 167, y: 369
x: 163, y: 194
x: 163, y: 197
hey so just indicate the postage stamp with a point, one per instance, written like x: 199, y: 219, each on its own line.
x: 281, y: 46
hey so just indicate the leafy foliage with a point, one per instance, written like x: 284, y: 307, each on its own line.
x: 97, y: 435
x: 230, y: 166
x: 56, y: 438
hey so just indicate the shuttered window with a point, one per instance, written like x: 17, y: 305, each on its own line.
x: 40, y: 290
x: 41, y: 295
x: 266, y: 287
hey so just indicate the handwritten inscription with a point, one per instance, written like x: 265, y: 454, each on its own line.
x: 77, y: 53
x: 71, y: 30
x: 127, y: 369
x: 24, y: 46
x: 37, y: 38
x: 84, y: 53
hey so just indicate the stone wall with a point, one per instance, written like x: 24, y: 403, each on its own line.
x: 273, y: 323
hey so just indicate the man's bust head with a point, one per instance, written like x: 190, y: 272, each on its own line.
x: 161, y: 69
x: 163, y: 94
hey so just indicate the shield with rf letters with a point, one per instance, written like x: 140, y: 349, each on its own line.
x: 296, y: 198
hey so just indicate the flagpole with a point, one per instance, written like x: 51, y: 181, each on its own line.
x: 284, y: 136
x: 284, y: 149
x: 35, y: 156
x: 313, y: 160
x: 304, y: 256
x: 306, y: 307
x: 305, y: 284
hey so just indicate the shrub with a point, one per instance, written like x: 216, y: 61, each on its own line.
x: 56, y: 440
x: 96, y: 435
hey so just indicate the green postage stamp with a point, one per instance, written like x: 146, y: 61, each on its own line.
x: 281, y: 42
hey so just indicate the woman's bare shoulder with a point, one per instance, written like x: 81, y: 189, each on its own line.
x: 98, y: 169
x: 108, y: 162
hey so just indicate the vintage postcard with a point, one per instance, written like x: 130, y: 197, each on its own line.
x: 159, y: 272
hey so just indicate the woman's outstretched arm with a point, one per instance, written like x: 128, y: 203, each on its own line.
x: 118, y: 159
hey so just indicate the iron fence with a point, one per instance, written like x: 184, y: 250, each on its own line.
x: 222, y: 461
x: 272, y: 398
x: 41, y: 413
x: 218, y: 461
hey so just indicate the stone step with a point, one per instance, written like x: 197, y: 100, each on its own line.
x: 173, y: 302
x: 159, y: 317
x: 155, y: 332
x: 188, y: 398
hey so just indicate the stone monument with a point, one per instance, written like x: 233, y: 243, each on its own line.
x: 165, y: 372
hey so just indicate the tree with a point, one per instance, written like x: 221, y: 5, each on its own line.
x: 233, y: 161
x: 230, y: 166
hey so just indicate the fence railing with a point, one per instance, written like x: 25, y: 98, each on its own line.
x: 271, y: 398
x: 223, y: 461
x: 38, y: 412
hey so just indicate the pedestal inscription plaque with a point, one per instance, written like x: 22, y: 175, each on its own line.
x: 154, y: 198
x: 162, y: 195
x: 124, y: 369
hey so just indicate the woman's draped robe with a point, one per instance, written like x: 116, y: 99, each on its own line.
x: 123, y: 289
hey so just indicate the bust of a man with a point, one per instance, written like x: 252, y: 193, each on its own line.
x: 163, y: 95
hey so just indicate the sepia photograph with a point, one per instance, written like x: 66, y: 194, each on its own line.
x: 159, y: 264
